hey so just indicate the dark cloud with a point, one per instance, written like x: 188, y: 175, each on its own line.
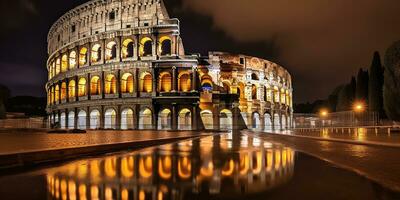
x: 321, y: 42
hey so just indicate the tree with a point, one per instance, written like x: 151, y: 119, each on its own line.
x: 4, y: 95
x: 391, y: 86
x: 362, y: 86
x: 344, y: 98
x: 375, y: 86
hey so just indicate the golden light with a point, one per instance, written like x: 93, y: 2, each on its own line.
x: 359, y: 107
x: 323, y: 113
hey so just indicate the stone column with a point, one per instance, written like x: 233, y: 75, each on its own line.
x: 76, y: 118
x: 103, y: 51
x: 88, y: 118
x: 102, y: 117
x: 66, y: 119
x: 216, y: 117
x: 195, y: 125
x: 89, y: 93
x: 76, y: 88
x: 136, y: 84
x: 174, y: 79
x: 194, y: 79
x: 137, y: 54
x: 137, y: 116
x: 67, y: 90
x: 118, y: 84
x: 174, y: 117
x: 155, y: 77
x: 118, y: 119
x: 89, y: 55
x: 103, y: 85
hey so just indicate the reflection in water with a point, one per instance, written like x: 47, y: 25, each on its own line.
x: 224, y: 166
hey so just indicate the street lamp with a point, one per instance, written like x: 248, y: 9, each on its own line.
x: 359, y: 107
x: 323, y: 113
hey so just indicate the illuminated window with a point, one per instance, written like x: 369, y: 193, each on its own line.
x: 64, y: 63
x: 269, y: 94
x: 95, y: 84
x: 127, y: 48
x: 127, y: 83
x: 165, y: 82
x: 82, y: 87
x: 58, y: 66
x: 63, y: 91
x: 57, y: 94
x: 111, y: 50
x: 185, y: 84
x: 146, y: 47
x: 165, y: 47
x: 83, y: 56
x: 71, y: 89
x: 52, y: 95
x: 110, y: 84
x: 276, y: 95
x: 283, y: 96
x: 96, y: 53
x: 72, y: 60
x: 147, y: 83
x: 254, y: 77
x: 254, y: 91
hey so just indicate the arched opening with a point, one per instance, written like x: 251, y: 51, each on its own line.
x: 110, y: 119
x: 165, y: 82
x: 184, y: 82
x: 164, y: 120
x: 145, y: 119
x: 64, y: 63
x: 57, y: 93
x: 277, y: 122
x: 82, y: 120
x: 52, y: 95
x: 146, y: 83
x: 254, y: 77
x: 111, y: 50
x: 267, y: 122
x: 185, y: 119
x: 95, y: 119
x: 225, y: 120
x: 283, y: 96
x: 254, y: 92
x: 256, y: 121
x: 127, y: 48
x: 146, y: 47
x: 95, y: 86
x: 165, y: 47
x: 207, y: 119
x: 83, y: 56
x: 110, y: 84
x: 82, y: 87
x: 72, y: 60
x: 71, y: 120
x: 63, y: 121
x: 241, y: 90
x: 127, y: 119
x: 96, y: 53
x: 63, y: 91
x: 227, y: 87
x: 58, y: 66
x: 276, y: 95
x: 284, y: 122
x: 71, y: 89
x: 206, y: 83
x: 127, y: 83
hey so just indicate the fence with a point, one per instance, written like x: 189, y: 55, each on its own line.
x: 33, y: 123
x: 338, y: 119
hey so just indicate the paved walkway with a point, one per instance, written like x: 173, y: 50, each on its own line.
x: 32, y: 142
x: 353, y: 135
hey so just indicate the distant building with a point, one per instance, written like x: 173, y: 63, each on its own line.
x: 122, y: 65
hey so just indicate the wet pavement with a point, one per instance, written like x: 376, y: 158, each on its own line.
x: 353, y: 134
x: 226, y: 166
x: 20, y: 143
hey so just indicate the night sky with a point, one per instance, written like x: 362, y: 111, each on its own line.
x: 321, y: 43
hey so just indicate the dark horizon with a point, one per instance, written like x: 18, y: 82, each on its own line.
x: 325, y: 50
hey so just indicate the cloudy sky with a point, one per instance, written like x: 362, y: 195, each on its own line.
x: 321, y: 42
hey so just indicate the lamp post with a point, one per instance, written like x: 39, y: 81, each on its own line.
x: 323, y: 113
x: 358, y: 109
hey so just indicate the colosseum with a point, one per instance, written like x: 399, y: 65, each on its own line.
x: 121, y: 64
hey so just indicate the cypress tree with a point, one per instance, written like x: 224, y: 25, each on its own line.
x: 375, y: 86
x: 344, y: 98
x: 362, y: 86
x: 391, y: 86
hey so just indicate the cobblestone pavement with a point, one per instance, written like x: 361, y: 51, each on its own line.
x: 378, y: 163
x: 19, y: 143
x: 353, y: 134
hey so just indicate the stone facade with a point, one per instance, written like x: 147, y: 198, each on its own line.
x: 121, y: 65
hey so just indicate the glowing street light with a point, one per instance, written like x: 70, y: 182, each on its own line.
x: 323, y: 113
x: 359, y: 107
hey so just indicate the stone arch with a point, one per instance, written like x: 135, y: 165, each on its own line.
x: 82, y: 87
x: 96, y: 53
x: 63, y: 120
x: 72, y: 59
x: 83, y: 55
x: 165, y: 46
x: 165, y: 82
x: 82, y: 120
x: 284, y: 121
x: 184, y: 82
x: 276, y: 95
x: 207, y: 118
x: 111, y: 50
x: 165, y: 119
x: 253, y: 91
x: 57, y: 93
x: 127, y: 119
x: 254, y: 77
x: 255, y: 121
x: 63, y: 90
x: 110, y: 119
x: 95, y: 85
x: 241, y: 90
x: 128, y: 48
x: 95, y: 118
x: 276, y: 122
x: 226, y: 119
x: 227, y: 86
x: 64, y: 63
x: 185, y: 119
x: 146, y: 47
x: 71, y: 120
x: 110, y: 84
x: 127, y: 83
x: 268, y: 122
x: 145, y: 119
x: 58, y: 66
x: 146, y: 82
x: 206, y: 83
